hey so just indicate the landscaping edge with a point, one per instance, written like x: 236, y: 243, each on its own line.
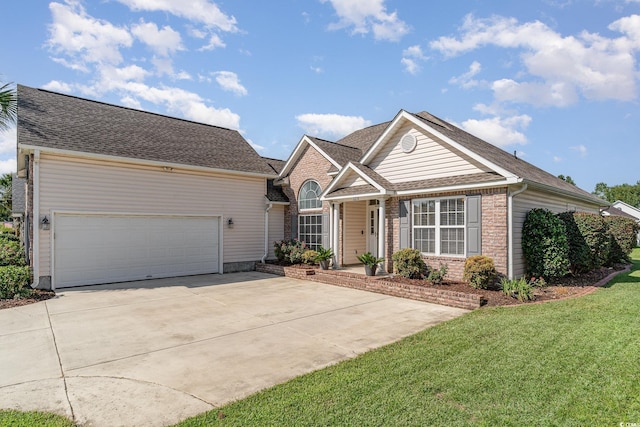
x: 376, y: 284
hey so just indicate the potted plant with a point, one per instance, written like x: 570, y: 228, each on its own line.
x: 370, y: 263
x: 323, y: 256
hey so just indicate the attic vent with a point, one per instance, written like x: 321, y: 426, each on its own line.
x: 408, y: 143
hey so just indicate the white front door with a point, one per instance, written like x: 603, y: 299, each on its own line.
x: 372, y: 229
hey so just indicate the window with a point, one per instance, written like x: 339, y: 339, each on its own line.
x: 310, y: 225
x: 310, y: 230
x: 309, y: 197
x: 438, y: 226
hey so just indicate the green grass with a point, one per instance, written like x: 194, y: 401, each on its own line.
x: 569, y: 363
x: 32, y: 419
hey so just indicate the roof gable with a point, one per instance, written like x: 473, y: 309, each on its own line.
x: 338, y: 155
x: 627, y: 208
x: 57, y: 122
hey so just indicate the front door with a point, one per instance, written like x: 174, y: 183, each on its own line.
x: 373, y: 214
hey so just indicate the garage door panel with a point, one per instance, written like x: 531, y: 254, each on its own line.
x: 92, y: 249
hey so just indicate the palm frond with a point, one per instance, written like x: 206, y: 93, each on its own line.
x: 8, y: 106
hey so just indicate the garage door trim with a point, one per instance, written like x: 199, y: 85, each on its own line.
x: 57, y: 213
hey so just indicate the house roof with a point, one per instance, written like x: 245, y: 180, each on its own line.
x: 275, y: 164
x: 613, y: 211
x: 627, y: 208
x: 342, y: 154
x: 501, y: 158
x: 55, y: 121
x: 364, y: 138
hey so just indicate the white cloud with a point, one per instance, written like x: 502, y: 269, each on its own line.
x: 331, y: 124
x: 229, y: 81
x: 58, y: 86
x: 255, y: 146
x: 557, y: 159
x: 366, y: 16
x: 8, y: 141
x: 581, y: 149
x: 466, y: 80
x: 499, y: 131
x: 83, y: 38
x: 214, y: 42
x: 411, y: 57
x: 8, y: 166
x: 201, y: 11
x: 558, y: 68
x: 162, y: 41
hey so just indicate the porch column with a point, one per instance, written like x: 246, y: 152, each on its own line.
x: 381, y: 233
x: 335, y: 234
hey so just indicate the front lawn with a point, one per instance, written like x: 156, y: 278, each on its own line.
x: 32, y: 419
x: 572, y: 363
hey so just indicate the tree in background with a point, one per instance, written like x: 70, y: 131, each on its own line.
x: 628, y: 193
x: 567, y: 179
x: 8, y: 106
x: 5, y: 197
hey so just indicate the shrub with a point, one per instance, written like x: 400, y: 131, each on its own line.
x: 517, y: 288
x: 595, y: 235
x: 324, y: 254
x: 480, y: 271
x: 14, y: 281
x: 580, y: 259
x: 544, y: 244
x: 290, y: 251
x: 409, y: 263
x: 624, y: 232
x: 309, y: 256
x: 437, y: 276
x: 11, y: 253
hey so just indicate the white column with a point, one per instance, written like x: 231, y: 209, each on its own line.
x: 381, y: 232
x: 335, y: 234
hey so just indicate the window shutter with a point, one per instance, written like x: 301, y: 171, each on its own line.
x: 325, y: 230
x: 405, y: 224
x: 474, y: 225
x: 294, y: 226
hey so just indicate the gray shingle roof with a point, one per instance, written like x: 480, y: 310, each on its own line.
x: 501, y: 158
x: 52, y: 120
x: 338, y: 152
x: 363, y: 139
x: 276, y: 164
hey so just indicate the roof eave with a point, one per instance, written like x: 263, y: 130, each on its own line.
x: 459, y: 187
x: 593, y: 199
x: 23, y: 148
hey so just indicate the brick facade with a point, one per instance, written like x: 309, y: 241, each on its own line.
x: 310, y: 166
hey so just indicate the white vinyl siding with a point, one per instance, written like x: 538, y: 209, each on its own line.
x: 355, y: 225
x: 353, y: 180
x: 80, y: 185
x: 430, y: 159
x: 531, y: 199
x: 276, y: 227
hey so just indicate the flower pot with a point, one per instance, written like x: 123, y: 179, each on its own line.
x: 324, y: 264
x: 370, y: 270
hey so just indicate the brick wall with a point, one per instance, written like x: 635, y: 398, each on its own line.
x: 377, y: 285
x: 310, y: 166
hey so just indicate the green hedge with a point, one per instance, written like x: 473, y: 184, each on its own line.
x: 580, y: 256
x: 14, y: 281
x: 409, y: 263
x: 623, y: 232
x: 544, y: 244
x: 11, y: 252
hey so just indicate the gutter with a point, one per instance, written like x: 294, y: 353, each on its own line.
x: 35, y: 220
x: 510, y: 227
x: 266, y: 232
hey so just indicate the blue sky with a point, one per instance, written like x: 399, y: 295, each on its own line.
x: 555, y: 80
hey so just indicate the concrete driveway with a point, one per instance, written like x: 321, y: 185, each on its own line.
x: 156, y: 352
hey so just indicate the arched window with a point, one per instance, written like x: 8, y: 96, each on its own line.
x: 309, y: 197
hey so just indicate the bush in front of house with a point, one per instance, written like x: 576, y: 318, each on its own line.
x: 595, y: 235
x: 623, y: 232
x: 580, y: 258
x: 14, y: 281
x: 408, y: 263
x: 290, y: 251
x: 309, y: 256
x: 436, y: 276
x: 11, y: 252
x: 544, y: 244
x: 517, y: 288
x: 480, y: 271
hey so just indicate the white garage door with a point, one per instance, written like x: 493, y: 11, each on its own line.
x: 91, y: 249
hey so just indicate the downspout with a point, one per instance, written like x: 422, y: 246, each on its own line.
x: 266, y: 232
x: 35, y: 222
x: 510, y: 226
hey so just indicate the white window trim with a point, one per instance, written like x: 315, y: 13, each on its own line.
x: 317, y: 197
x: 438, y: 227
x: 319, y: 224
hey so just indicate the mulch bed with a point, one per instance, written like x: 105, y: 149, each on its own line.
x: 36, y: 296
x: 566, y: 287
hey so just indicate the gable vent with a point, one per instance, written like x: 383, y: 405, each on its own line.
x: 408, y: 143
